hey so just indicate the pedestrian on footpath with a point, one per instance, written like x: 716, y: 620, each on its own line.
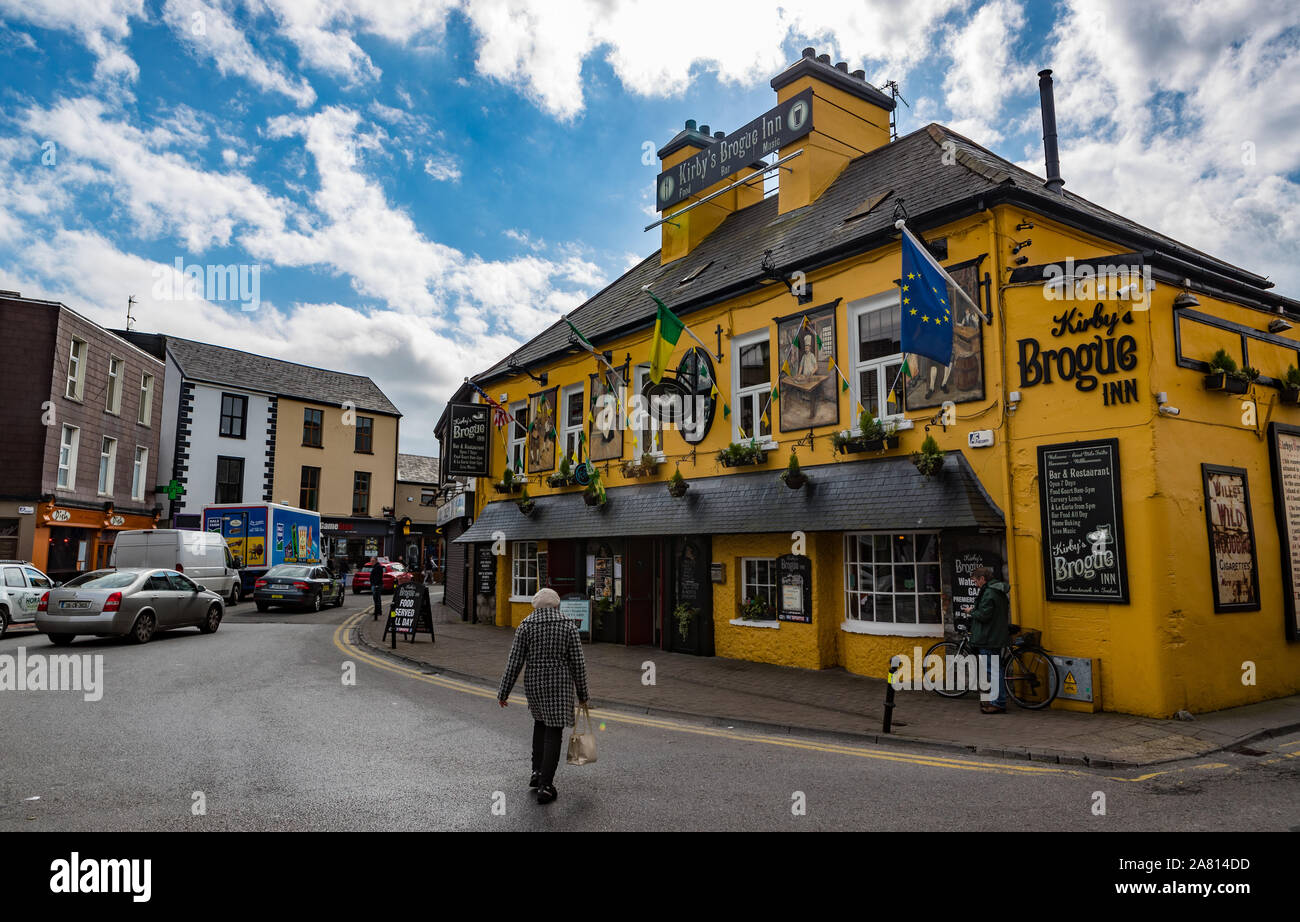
x: 549, y: 644
x: 345, y: 567
x: 990, y: 632
x: 377, y: 586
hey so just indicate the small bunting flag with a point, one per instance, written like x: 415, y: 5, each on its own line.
x: 776, y: 395
x: 844, y: 385
x: 726, y: 411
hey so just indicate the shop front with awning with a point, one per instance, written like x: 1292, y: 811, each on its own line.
x: 866, y: 556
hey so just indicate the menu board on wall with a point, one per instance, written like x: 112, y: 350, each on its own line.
x: 485, y: 570
x: 794, y: 582
x: 1083, y: 522
x: 1234, y: 571
x: 1284, y: 453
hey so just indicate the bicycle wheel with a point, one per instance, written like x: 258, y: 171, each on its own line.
x: 1032, y: 681
x: 946, y: 649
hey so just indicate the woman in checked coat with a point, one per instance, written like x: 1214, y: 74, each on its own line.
x: 549, y: 644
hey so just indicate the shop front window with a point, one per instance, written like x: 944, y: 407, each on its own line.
x: 892, y: 582
x: 523, y: 570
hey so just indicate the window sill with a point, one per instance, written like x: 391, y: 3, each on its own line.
x: 522, y: 599
x: 742, y: 622
x: 308, y: 445
x: 852, y: 626
x: 767, y: 443
x: 901, y: 424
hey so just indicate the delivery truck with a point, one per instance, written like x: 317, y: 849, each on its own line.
x: 265, y: 535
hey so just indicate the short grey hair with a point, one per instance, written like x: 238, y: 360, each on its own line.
x: 546, y: 598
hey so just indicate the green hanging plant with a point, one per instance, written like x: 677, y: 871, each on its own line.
x: 677, y: 484
x: 683, y: 614
x: 929, y: 460
x: 792, y: 477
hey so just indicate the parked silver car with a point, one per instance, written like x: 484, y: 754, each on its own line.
x: 133, y: 602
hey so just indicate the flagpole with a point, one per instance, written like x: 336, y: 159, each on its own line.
x: 901, y: 225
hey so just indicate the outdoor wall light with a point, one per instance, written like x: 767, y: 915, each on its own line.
x: 1169, y: 411
x: 1021, y: 245
x: 1278, y: 325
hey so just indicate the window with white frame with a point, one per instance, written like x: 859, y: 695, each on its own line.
x: 107, y: 463
x: 139, y: 472
x: 518, y: 437
x: 649, y: 432
x: 145, y: 415
x: 892, y: 581
x: 68, y: 457
x: 758, y: 581
x: 113, y: 397
x: 751, y: 387
x: 572, y: 407
x: 523, y: 570
x: 76, y: 370
x: 875, y: 338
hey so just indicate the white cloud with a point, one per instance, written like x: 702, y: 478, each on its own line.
x: 102, y: 25
x: 208, y: 31
x: 982, y: 75
x: 444, y: 169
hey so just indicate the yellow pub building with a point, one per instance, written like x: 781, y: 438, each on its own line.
x: 1117, y: 433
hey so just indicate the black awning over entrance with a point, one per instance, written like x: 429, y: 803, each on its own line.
x: 884, y: 495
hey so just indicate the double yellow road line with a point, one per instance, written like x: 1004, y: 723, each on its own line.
x: 355, y: 651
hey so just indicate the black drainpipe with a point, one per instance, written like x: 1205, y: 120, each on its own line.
x: 1054, y: 180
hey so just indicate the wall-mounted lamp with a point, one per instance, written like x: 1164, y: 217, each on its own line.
x: 1024, y: 226
x: 1169, y: 411
x: 519, y: 369
x: 1186, y: 298
x: 1278, y: 325
x: 1020, y: 245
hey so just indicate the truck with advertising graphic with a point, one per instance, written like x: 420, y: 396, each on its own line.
x: 265, y: 535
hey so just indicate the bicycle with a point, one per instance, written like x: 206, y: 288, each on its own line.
x: 1032, y: 681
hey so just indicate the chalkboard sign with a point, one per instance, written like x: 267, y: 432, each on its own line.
x: 794, y: 588
x: 1284, y: 453
x: 689, y: 562
x: 1083, y: 522
x: 968, y: 554
x: 410, y: 612
x: 469, y: 440
x: 485, y: 570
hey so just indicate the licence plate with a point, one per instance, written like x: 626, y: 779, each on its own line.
x: 277, y: 597
x: 77, y: 605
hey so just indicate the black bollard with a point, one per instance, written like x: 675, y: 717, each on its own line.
x: 889, y: 699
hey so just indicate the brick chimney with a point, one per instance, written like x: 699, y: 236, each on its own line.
x: 850, y: 118
x: 687, y: 150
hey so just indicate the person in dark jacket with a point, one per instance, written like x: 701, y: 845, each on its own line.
x: 549, y: 643
x: 377, y: 585
x: 990, y: 631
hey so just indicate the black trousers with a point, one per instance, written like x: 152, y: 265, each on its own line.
x: 546, y: 750
x: 379, y: 602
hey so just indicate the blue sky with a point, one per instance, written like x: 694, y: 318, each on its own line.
x: 426, y: 184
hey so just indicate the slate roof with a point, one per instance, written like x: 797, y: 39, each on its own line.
x: 235, y: 368
x: 885, y: 494
x: 818, y: 234
x: 417, y: 468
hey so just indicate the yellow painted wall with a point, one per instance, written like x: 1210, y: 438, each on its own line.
x: 336, y: 458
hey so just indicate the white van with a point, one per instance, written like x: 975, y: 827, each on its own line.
x: 201, y: 555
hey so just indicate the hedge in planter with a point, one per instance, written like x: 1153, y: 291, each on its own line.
x: 742, y: 454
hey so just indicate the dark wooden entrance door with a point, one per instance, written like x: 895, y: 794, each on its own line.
x: 639, y: 572
x: 690, y: 586
x: 562, y: 558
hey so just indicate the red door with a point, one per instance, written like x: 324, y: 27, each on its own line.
x: 639, y: 570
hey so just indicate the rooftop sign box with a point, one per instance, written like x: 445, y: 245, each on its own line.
x: 771, y: 131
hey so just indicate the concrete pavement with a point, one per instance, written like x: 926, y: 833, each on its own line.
x: 738, y: 692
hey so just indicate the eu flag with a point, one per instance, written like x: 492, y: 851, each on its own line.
x: 927, y: 320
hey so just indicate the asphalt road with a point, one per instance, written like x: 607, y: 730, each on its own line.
x: 258, y: 720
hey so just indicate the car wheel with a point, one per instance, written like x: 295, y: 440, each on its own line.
x: 356, y: 590
x: 143, y: 628
x: 263, y: 606
x: 318, y: 601
x: 62, y: 640
x: 211, y: 621
x: 234, y: 594
x: 4, y: 621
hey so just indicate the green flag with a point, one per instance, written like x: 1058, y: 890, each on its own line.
x: 668, y: 329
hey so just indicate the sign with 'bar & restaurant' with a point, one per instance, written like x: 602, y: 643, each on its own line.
x: 470, y: 442
x: 771, y: 131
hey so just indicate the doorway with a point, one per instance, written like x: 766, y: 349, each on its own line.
x: 643, y: 591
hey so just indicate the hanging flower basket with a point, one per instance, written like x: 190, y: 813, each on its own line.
x: 929, y: 460
x: 794, y: 480
x: 677, y: 487
x: 527, y: 507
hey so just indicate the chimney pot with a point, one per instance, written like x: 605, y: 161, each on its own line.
x: 824, y: 58
x: 842, y: 66
x: 719, y: 134
x: 860, y: 74
x: 810, y: 52
x: 690, y: 124
x: 704, y: 129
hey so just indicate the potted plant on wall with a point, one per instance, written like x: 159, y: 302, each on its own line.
x: 756, y: 609
x: 1225, y: 376
x: 526, y: 504
x: 874, y: 435
x: 509, y: 482
x: 563, y: 475
x: 684, y: 616
x: 792, y: 477
x: 677, y: 484
x: 929, y: 460
x: 742, y: 454
x: 647, y: 466
x: 1291, y: 385
x: 594, y: 495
